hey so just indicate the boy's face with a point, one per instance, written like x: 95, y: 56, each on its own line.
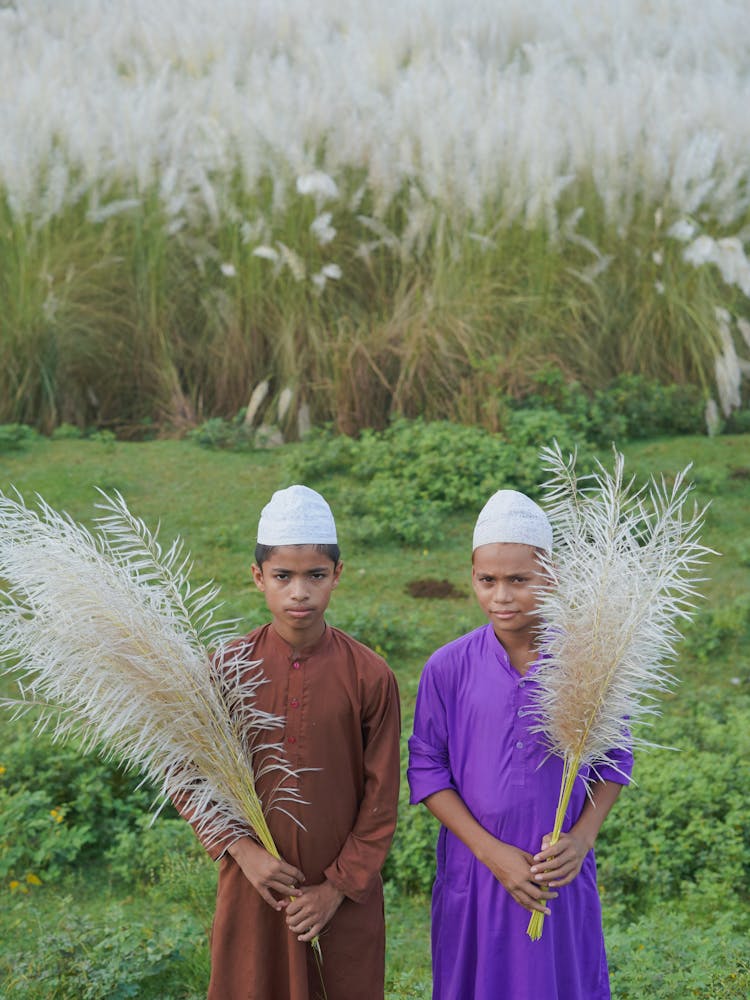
x: 504, y: 576
x: 297, y: 581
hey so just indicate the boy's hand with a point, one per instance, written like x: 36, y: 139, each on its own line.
x: 266, y: 873
x: 512, y: 868
x: 308, y: 914
x: 560, y: 863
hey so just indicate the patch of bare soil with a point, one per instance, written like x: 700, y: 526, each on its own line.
x: 433, y: 588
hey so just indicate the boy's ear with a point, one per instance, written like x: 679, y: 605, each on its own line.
x: 337, y: 573
x: 258, y: 576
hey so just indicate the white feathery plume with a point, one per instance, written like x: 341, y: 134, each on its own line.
x: 624, y: 572
x: 111, y: 642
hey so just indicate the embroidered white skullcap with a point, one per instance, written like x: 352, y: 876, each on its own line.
x: 296, y: 516
x: 509, y: 516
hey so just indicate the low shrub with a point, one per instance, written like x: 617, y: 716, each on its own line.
x: 720, y: 630
x: 98, y: 799
x: 386, y: 630
x: 671, y: 954
x: 16, y: 437
x: 37, y: 843
x: 139, y: 852
x: 630, y: 407
x: 685, y: 823
x: 409, y: 477
x: 112, y: 958
x: 410, y: 866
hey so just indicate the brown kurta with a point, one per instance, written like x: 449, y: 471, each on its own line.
x: 341, y: 706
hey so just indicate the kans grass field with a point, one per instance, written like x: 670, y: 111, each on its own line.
x: 442, y: 233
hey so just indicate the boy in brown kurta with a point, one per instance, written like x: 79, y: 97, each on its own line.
x: 341, y: 708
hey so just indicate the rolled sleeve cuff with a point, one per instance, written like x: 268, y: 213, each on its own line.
x: 428, y: 770
x: 617, y: 768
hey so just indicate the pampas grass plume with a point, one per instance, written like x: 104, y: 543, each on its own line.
x: 624, y: 572
x: 110, y: 643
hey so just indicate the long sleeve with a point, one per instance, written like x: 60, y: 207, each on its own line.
x: 429, y: 765
x: 364, y: 851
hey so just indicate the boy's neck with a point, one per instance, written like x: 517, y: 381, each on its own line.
x: 302, y: 640
x: 521, y: 653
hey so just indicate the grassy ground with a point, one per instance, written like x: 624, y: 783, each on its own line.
x: 212, y: 499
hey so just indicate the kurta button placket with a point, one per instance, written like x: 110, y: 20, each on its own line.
x: 520, y: 754
x: 294, y: 701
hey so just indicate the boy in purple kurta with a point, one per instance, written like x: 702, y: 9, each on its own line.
x: 492, y: 784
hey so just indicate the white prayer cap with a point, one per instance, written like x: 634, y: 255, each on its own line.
x: 509, y: 516
x: 296, y: 516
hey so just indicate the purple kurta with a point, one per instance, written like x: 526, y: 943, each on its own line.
x: 471, y: 734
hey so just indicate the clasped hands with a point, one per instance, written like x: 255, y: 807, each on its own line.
x: 530, y: 878
x: 309, y: 908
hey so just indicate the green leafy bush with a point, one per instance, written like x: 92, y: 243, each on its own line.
x: 409, y: 477
x: 66, y: 432
x: 630, y: 407
x: 229, y: 435
x: 651, y: 409
x: 139, y: 851
x: 36, y: 840
x: 720, y: 630
x: 16, y: 437
x: 410, y: 866
x: 670, y: 955
x: 686, y: 821
x: 110, y: 959
x: 99, y: 799
x: 384, y: 629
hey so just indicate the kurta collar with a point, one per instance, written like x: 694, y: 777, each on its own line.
x: 287, y: 650
x: 504, y: 660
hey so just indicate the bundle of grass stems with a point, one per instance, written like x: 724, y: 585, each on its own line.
x: 623, y: 573
x: 112, y: 644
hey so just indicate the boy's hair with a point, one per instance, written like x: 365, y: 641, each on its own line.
x: 263, y: 552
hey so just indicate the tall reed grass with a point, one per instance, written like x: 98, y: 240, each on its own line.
x: 384, y: 208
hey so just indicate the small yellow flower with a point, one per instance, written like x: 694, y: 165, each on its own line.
x: 3, y: 769
x: 16, y: 886
x: 33, y: 879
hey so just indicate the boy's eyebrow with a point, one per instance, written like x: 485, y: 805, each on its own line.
x: 312, y: 569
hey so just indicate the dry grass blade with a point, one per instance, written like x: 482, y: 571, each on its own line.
x: 625, y: 570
